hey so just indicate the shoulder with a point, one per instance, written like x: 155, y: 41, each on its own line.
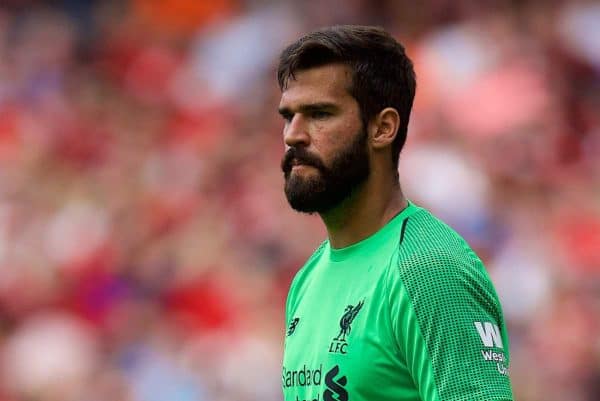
x: 435, y: 262
x: 309, y: 265
x: 302, y: 276
x: 446, y: 314
x: 427, y: 243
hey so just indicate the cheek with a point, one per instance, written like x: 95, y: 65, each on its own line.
x: 340, y: 135
x: 328, y: 137
x: 326, y: 143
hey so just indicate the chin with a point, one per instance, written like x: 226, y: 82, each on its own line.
x: 304, y: 194
x: 310, y: 201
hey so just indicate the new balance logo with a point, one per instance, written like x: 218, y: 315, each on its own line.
x: 490, y: 334
x: 292, y: 326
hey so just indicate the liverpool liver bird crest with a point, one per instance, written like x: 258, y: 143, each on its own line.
x: 346, y: 320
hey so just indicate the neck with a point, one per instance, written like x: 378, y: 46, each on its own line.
x: 370, y: 207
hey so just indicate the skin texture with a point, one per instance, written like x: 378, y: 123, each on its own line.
x: 322, y: 118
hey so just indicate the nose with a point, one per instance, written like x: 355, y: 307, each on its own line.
x: 295, y: 133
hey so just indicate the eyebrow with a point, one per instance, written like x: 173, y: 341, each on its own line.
x: 307, y: 108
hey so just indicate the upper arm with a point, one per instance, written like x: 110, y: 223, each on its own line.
x: 449, y: 326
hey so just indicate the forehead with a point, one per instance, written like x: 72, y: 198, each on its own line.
x: 328, y: 83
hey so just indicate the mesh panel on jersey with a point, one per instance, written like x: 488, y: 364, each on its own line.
x: 450, y: 290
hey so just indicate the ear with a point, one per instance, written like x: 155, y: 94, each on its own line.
x: 384, y: 128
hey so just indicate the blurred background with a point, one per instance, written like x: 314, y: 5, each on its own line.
x: 146, y: 246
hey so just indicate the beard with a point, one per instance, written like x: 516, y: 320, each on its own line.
x: 323, y: 191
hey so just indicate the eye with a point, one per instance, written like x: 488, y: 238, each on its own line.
x: 287, y: 116
x: 319, y: 114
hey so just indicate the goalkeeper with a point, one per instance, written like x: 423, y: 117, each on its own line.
x: 394, y: 304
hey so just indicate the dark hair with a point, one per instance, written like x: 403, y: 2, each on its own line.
x: 382, y: 74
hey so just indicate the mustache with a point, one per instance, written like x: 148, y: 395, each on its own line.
x: 300, y: 156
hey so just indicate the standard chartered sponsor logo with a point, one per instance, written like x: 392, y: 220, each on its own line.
x: 334, y: 384
x: 302, y: 377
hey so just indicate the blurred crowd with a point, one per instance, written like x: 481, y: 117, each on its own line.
x: 146, y: 246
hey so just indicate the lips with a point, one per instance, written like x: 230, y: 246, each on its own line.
x: 297, y: 162
x: 297, y: 166
x: 299, y: 157
x: 300, y: 163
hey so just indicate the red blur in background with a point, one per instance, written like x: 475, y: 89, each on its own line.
x: 146, y: 246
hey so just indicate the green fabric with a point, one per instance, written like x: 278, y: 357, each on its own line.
x: 406, y: 314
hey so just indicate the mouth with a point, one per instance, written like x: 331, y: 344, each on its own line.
x: 299, y: 166
x: 300, y: 162
x: 301, y: 169
x: 295, y: 163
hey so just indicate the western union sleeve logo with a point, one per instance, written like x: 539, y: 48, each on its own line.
x: 489, y: 334
x: 490, y: 337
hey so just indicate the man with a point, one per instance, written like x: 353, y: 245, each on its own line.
x: 394, y: 305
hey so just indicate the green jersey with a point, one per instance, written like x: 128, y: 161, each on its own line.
x: 408, y: 313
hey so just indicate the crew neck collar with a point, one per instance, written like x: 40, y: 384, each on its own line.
x: 374, y: 240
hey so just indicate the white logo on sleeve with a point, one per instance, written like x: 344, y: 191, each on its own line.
x: 489, y: 333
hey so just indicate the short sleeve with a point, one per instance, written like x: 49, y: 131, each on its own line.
x: 449, y: 326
